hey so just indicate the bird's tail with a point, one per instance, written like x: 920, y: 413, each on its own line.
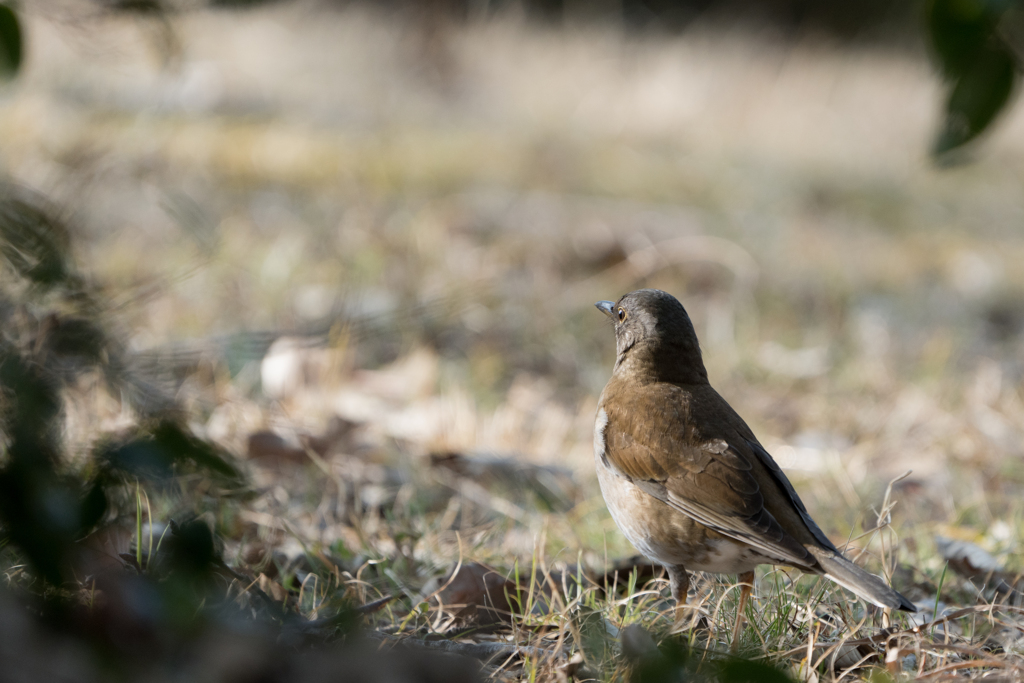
x: 864, y: 584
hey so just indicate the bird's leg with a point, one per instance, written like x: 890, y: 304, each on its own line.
x: 680, y: 583
x: 746, y: 586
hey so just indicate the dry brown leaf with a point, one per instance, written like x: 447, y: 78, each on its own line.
x: 973, y: 562
x: 479, y: 594
x: 335, y: 437
x: 272, y: 588
x: 269, y: 448
x: 99, y: 553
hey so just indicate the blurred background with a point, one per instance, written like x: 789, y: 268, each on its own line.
x: 384, y: 225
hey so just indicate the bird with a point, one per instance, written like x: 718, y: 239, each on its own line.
x: 684, y: 477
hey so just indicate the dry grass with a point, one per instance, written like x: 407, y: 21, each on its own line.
x: 439, y: 216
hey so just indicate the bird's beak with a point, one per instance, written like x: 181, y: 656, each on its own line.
x: 606, y: 307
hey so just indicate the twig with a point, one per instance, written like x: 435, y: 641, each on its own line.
x: 250, y: 585
x: 328, y: 624
x: 972, y: 664
x: 916, y: 631
x: 376, y: 605
x: 484, y: 652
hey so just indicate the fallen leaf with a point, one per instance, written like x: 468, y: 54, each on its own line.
x: 272, y: 588
x: 335, y: 437
x: 269, y: 447
x: 973, y: 562
x: 479, y: 594
x: 99, y: 553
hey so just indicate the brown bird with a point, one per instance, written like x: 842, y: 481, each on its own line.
x: 683, y: 475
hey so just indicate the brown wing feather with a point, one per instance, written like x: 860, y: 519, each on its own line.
x: 655, y: 444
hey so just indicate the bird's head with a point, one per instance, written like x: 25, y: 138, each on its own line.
x: 654, y: 337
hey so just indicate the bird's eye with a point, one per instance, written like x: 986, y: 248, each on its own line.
x: 622, y: 314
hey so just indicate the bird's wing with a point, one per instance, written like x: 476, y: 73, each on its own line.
x: 790, y: 493
x: 715, y: 481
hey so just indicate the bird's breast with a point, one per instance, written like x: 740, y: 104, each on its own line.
x: 661, y: 532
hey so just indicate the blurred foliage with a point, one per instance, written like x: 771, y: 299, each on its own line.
x: 158, y: 453
x: 674, y: 660
x: 34, y: 243
x: 54, y: 332
x: 137, y: 613
x: 42, y: 510
x: 869, y: 18
x: 968, y: 37
x: 977, y: 62
x: 136, y: 6
x: 10, y: 42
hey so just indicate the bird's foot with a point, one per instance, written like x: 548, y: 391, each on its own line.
x: 746, y: 587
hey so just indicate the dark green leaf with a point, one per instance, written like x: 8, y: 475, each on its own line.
x: 595, y: 641
x: 10, y: 42
x: 94, y: 506
x: 192, y: 548
x: 240, y: 4
x: 978, y: 95
x: 144, y: 458
x: 185, y: 445
x: 960, y: 29
x: 670, y: 664
x: 154, y: 455
x: 136, y: 6
x: 747, y: 671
